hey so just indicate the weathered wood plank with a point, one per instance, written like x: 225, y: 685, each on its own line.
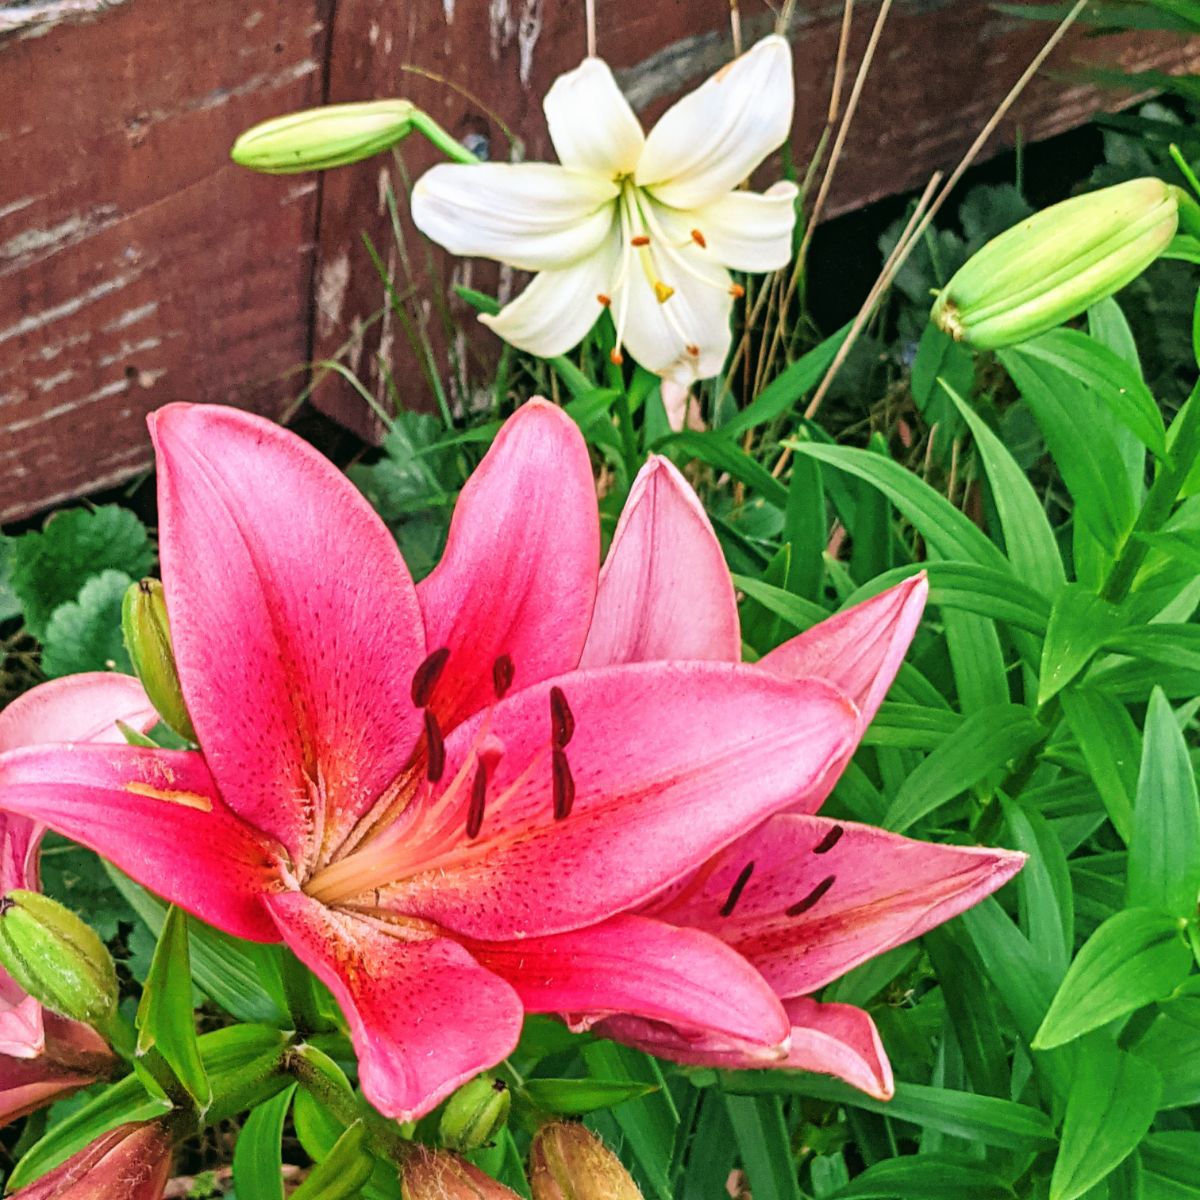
x: 941, y: 68
x: 137, y: 265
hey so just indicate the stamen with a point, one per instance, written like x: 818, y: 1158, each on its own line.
x: 802, y: 906
x: 699, y: 239
x: 427, y: 675
x: 736, y: 291
x: 563, y: 786
x: 615, y: 357
x: 663, y: 291
x: 436, y: 746
x: 639, y: 240
x: 478, y: 798
x: 830, y: 840
x: 735, y: 892
x: 603, y: 299
x: 502, y: 675
x: 693, y: 349
x: 562, y: 720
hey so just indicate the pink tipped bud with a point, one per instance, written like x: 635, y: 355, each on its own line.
x: 568, y: 1162
x: 437, y: 1175
x: 131, y: 1162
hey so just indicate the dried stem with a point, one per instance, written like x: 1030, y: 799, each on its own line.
x: 735, y: 26
x: 590, y: 9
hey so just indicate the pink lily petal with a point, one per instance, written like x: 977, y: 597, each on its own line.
x: 517, y: 582
x: 155, y: 814
x: 77, y: 708
x: 295, y: 623
x: 669, y: 763
x: 634, y: 965
x: 424, y: 1016
x: 694, y: 1047
x: 859, y: 650
x: 73, y: 1057
x: 665, y: 591
x: 841, y: 1040
x: 131, y: 1162
x: 853, y: 892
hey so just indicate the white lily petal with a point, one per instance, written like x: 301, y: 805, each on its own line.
x: 695, y: 317
x: 711, y: 140
x: 555, y: 311
x: 591, y: 124
x: 535, y: 216
x: 746, y: 231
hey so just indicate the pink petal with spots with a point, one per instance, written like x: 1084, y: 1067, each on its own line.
x: 518, y: 578
x: 665, y: 591
x: 424, y: 1016
x: 840, y: 1040
x: 296, y: 626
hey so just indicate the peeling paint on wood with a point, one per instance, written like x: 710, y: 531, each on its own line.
x: 34, y: 20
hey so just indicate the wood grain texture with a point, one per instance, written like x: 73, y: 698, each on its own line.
x: 137, y: 265
x: 941, y: 68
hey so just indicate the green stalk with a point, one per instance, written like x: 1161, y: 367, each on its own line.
x: 1160, y: 500
x: 451, y: 147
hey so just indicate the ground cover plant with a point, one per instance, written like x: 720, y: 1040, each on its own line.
x: 837, y: 837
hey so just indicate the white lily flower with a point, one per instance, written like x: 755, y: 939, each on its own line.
x: 649, y: 225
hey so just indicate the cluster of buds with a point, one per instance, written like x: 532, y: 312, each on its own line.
x: 1059, y: 262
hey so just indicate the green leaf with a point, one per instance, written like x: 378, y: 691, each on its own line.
x: 10, y: 606
x: 85, y: 634
x: 1080, y: 623
x: 1169, y: 1166
x: 766, y: 1152
x: 1109, y: 743
x: 344, y: 1170
x: 1164, y: 853
x: 946, y: 529
x: 926, y: 1177
x: 977, y: 661
x: 574, y: 1097
x: 984, y: 742
x: 1110, y: 1107
x: 258, y: 1154
x: 1172, y: 1047
x: 165, y: 1020
x: 1136, y: 957
x: 1113, y: 381
x: 1028, y: 537
x: 1165, y: 643
x: 49, y: 568
x: 1044, y: 886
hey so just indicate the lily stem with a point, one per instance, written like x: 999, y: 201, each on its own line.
x: 450, y: 146
x: 1160, y: 500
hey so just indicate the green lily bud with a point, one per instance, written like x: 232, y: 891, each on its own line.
x: 568, y: 1162
x: 1057, y: 263
x: 435, y: 1175
x: 148, y: 640
x: 57, y: 959
x: 319, y: 138
x: 475, y: 1113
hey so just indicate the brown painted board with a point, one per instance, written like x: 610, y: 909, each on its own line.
x: 941, y: 68
x: 137, y: 265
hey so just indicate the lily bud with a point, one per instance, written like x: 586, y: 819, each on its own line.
x: 475, y: 1113
x: 131, y: 1162
x: 436, y: 1175
x: 57, y: 959
x: 148, y: 640
x: 568, y: 1162
x: 319, y: 138
x: 1057, y: 263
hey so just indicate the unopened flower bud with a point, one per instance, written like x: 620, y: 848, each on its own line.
x: 568, y: 1162
x: 1057, y: 263
x: 319, y: 138
x: 436, y: 1175
x: 131, y: 1162
x: 475, y: 1113
x: 57, y: 959
x: 148, y: 640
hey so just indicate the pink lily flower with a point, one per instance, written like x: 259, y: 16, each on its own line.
x: 407, y: 785
x: 803, y: 898
x: 44, y: 1056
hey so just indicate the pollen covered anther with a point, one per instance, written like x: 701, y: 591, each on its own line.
x: 562, y: 720
x: 604, y: 300
x: 663, y: 291
x: 699, y: 239
x: 478, y: 800
x: 830, y: 840
x: 427, y: 674
x: 502, y: 675
x: 735, y: 892
x: 616, y: 357
x: 639, y: 239
x: 692, y: 349
x: 436, y: 747
x: 736, y: 291
x: 802, y: 906
x: 563, y: 784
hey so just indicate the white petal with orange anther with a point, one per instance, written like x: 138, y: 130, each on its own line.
x: 708, y: 142
x: 535, y: 216
x: 591, y: 124
x: 745, y: 231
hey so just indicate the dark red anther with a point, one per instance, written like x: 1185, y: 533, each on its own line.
x: 802, y: 906
x: 564, y: 786
x: 830, y: 840
x: 427, y: 675
x: 502, y: 675
x: 735, y: 892
x: 478, y: 799
x: 562, y: 720
x: 435, y: 762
